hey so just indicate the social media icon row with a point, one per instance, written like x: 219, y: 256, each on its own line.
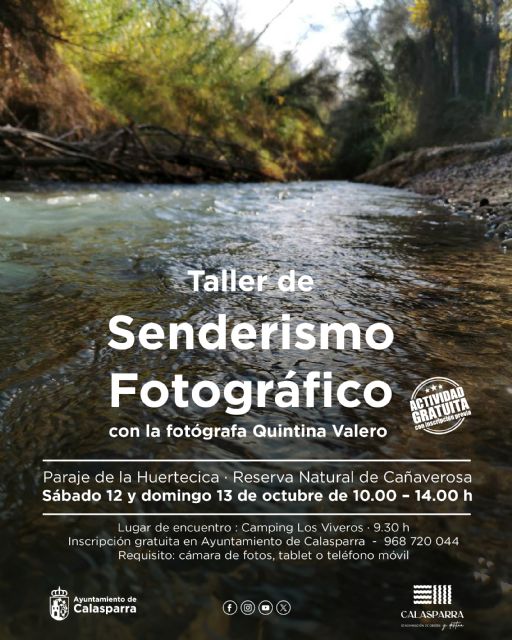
x: 265, y: 607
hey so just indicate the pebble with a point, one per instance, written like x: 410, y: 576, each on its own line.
x: 480, y: 190
x: 457, y: 184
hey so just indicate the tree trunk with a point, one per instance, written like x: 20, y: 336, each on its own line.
x: 455, y: 50
x: 504, y: 102
x: 494, y: 53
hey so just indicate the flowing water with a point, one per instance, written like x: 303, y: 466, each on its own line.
x: 70, y: 258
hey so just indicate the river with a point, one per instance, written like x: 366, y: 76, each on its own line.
x: 72, y: 257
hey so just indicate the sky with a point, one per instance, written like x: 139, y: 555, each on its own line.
x: 308, y: 26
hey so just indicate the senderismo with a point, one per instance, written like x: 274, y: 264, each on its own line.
x: 223, y: 334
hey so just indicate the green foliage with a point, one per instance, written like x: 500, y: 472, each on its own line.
x: 169, y: 63
x: 424, y: 72
x: 84, y: 65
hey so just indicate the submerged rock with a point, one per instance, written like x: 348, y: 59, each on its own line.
x: 504, y: 230
x: 16, y: 276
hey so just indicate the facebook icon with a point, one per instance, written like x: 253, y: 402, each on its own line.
x: 229, y: 607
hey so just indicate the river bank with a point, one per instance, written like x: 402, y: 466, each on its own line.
x: 472, y: 180
x: 134, y: 154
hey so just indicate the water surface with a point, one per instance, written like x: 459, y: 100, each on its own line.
x: 70, y: 258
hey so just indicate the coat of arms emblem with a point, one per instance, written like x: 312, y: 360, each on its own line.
x: 59, y: 604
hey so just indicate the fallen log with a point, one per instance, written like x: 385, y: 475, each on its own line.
x: 138, y: 153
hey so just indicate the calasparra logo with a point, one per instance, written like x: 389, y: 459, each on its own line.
x: 433, y: 609
x: 59, y: 604
x: 432, y: 594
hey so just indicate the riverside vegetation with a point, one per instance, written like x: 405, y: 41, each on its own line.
x: 165, y: 91
x: 216, y: 105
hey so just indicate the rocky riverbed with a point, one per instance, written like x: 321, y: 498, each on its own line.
x: 473, y: 180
